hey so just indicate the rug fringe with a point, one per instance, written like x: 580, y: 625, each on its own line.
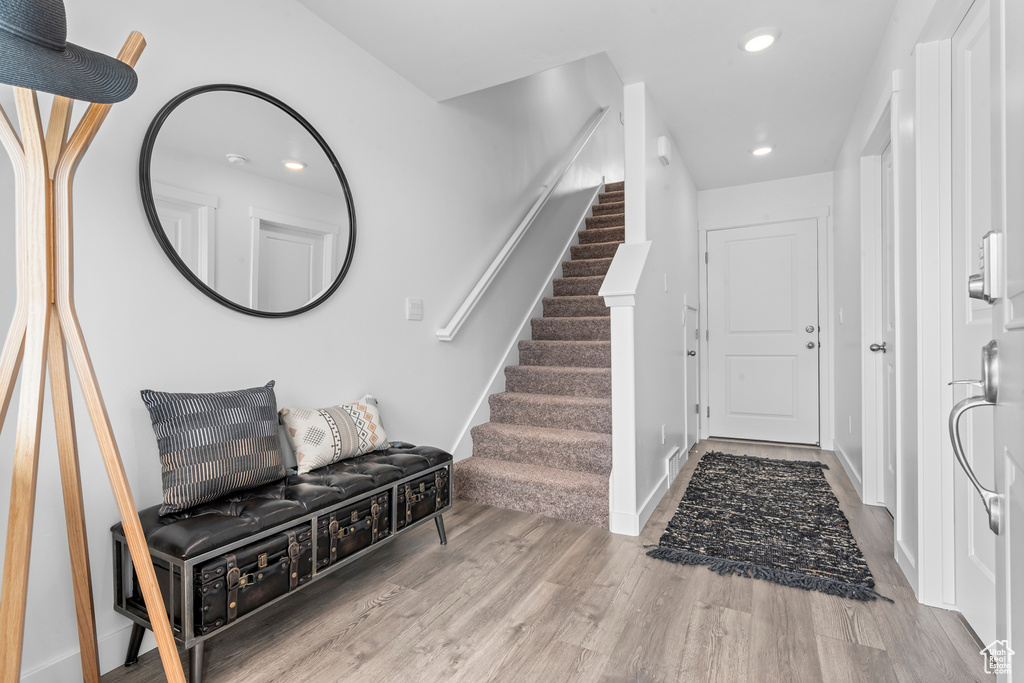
x: 755, y: 571
x: 774, y: 461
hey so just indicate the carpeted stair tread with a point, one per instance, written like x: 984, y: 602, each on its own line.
x: 554, y: 379
x: 593, y: 251
x: 589, y: 306
x: 614, y: 207
x: 586, y: 413
x: 611, y: 197
x: 597, y: 235
x: 618, y: 186
x: 578, y: 286
x: 609, y: 220
x: 592, y: 328
x: 586, y: 268
x: 574, y: 354
x: 576, y: 496
x: 564, y: 449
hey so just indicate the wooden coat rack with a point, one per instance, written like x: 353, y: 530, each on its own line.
x: 44, y: 328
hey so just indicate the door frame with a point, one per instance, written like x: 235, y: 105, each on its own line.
x: 869, y: 482
x: 822, y: 215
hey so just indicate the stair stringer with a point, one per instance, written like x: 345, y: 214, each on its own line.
x: 482, y: 413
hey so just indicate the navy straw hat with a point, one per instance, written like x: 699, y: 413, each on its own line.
x: 34, y: 53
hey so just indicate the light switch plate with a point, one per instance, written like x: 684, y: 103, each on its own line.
x: 414, y: 309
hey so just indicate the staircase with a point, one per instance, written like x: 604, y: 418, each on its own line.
x: 548, y: 446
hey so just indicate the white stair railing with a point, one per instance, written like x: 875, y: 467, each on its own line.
x: 448, y: 332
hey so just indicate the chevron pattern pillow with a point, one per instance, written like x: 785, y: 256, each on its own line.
x: 325, y: 435
x: 213, y: 444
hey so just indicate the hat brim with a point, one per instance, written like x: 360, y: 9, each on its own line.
x: 76, y: 72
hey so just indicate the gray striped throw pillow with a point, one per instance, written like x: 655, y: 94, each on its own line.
x: 213, y: 444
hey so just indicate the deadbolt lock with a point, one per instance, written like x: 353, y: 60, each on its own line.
x: 809, y: 329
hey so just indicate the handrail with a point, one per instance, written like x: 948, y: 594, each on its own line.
x: 448, y: 332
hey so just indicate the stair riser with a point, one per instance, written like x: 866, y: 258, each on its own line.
x: 598, y: 235
x: 594, y: 267
x: 533, y: 380
x: 602, y: 209
x: 612, y: 220
x: 587, y: 418
x: 569, y: 356
x: 557, y: 504
x: 575, y: 307
x: 611, y: 197
x: 571, y: 329
x: 619, y: 186
x: 593, y: 251
x: 578, y: 286
x: 596, y: 460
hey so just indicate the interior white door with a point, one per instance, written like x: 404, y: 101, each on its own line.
x: 763, y: 332
x: 692, y: 379
x: 884, y: 346
x: 1008, y: 218
x: 972, y: 318
x: 291, y: 267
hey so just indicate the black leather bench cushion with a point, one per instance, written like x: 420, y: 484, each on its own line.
x: 205, y: 527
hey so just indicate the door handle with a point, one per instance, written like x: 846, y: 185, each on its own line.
x: 878, y: 347
x: 691, y: 352
x: 992, y: 500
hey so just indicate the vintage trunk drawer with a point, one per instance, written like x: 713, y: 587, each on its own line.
x: 422, y: 496
x: 237, y: 583
x: 352, y: 528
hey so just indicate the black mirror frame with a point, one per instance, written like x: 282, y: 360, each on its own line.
x: 146, y: 186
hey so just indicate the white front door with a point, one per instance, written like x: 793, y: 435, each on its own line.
x: 763, y: 332
x: 692, y: 379
x: 1008, y: 218
x: 972, y: 318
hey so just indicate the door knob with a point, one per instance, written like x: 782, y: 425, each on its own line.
x: 878, y: 347
x: 691, y: 352
x: 810, y: 345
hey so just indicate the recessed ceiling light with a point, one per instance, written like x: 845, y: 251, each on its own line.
x: 760, y: 38
x: 236, y: 159
x: 761, y: 151
x: 294, y: 165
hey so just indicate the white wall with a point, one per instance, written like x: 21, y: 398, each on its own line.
x: 661, y: 207
x: 894, y: 56
x: 437, y: 189
x: 765, y: 198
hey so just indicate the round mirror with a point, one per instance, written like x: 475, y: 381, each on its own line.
x: 247, y: 200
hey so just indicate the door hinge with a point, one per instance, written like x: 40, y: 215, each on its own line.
x: 709, y: 411
x: 707, y: 335
x: 696, y: 333
x: 705, y: 257
x: 698, y: 409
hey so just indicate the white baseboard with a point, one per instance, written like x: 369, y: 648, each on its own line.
x: 68, y: 667
x: 630, y: 524
x: 851, y: 472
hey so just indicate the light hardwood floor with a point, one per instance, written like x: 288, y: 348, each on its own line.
x: 518, y: 597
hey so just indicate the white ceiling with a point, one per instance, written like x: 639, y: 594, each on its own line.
x: 719, y: 101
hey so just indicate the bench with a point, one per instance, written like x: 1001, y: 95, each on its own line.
x: 222, y: 561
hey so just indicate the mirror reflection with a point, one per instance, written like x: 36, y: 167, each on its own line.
x: 248, y: 200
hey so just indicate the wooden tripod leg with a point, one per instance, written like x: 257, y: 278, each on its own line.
x: 14, y: 592
x: 74, y: 508
x: 123, y: 495
x: 33, y: 286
